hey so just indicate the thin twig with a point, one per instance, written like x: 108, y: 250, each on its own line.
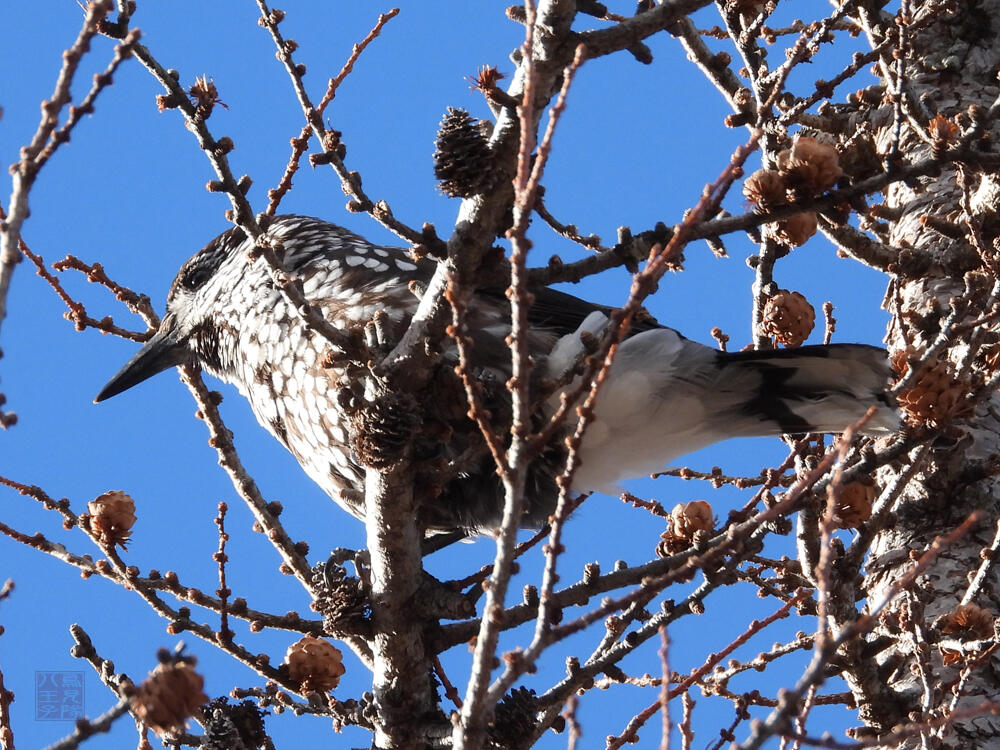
x: 664, y: 689
x: 815, y: 674
x: 629, y: 734
x: 85, y: 728
x: 989, y: 558
x: 221, y: 558
x: 26, y: 170
x: 301, y: 143
x: 78, y: 313
x: 350, y: 181
x: 6, y: 696
x: 469, y: 732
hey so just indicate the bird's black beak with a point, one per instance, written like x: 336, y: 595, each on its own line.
x: 163, y: 351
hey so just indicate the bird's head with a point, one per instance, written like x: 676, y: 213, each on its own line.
x: 201, y: 322
x: 219, y: 295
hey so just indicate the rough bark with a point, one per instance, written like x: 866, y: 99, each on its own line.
x: 951, y: 66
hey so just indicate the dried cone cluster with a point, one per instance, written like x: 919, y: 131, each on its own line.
x: 766, y: 189
x: 486, y: 80
x: 463, y: 161
x: 315, y: 664
x: 795, y: 230
x: 788, y: 318
x: 967, y: 622
x: 943, y: 132
x: 990, y: 356
x: 853, y: 507
x: 112, y: 516
x: 685, y: 520
x: 807, y: 169
x: 205, y: 96
x: 169, y: 696
x: 935, y: 398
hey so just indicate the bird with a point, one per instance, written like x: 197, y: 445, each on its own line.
x: 664, y: 396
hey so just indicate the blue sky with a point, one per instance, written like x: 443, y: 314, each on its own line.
x: 635, y: 146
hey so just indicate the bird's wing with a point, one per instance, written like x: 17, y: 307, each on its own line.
x: 561, y: 313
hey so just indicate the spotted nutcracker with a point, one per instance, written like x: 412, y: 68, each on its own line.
x: 665, y: 395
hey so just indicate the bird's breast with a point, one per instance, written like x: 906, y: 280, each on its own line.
x: 300, y: 399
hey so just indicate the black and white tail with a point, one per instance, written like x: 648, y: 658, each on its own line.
x: 667, y: 396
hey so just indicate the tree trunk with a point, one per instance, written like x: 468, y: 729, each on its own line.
x: 949, y: 67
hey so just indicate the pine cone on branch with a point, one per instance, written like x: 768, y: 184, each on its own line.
x: 810, y: 167
x: 788, y: 317
x: 463, y: 161
x: 854, y: 505
x: 315, y: 664
x: 111, y: 517
x: 170, y: 695
x: 794, y: 231
x: 685, y: 520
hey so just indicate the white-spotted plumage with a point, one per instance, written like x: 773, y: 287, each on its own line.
x: 665, y: 395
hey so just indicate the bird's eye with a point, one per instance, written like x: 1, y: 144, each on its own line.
x: 194, y: 277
